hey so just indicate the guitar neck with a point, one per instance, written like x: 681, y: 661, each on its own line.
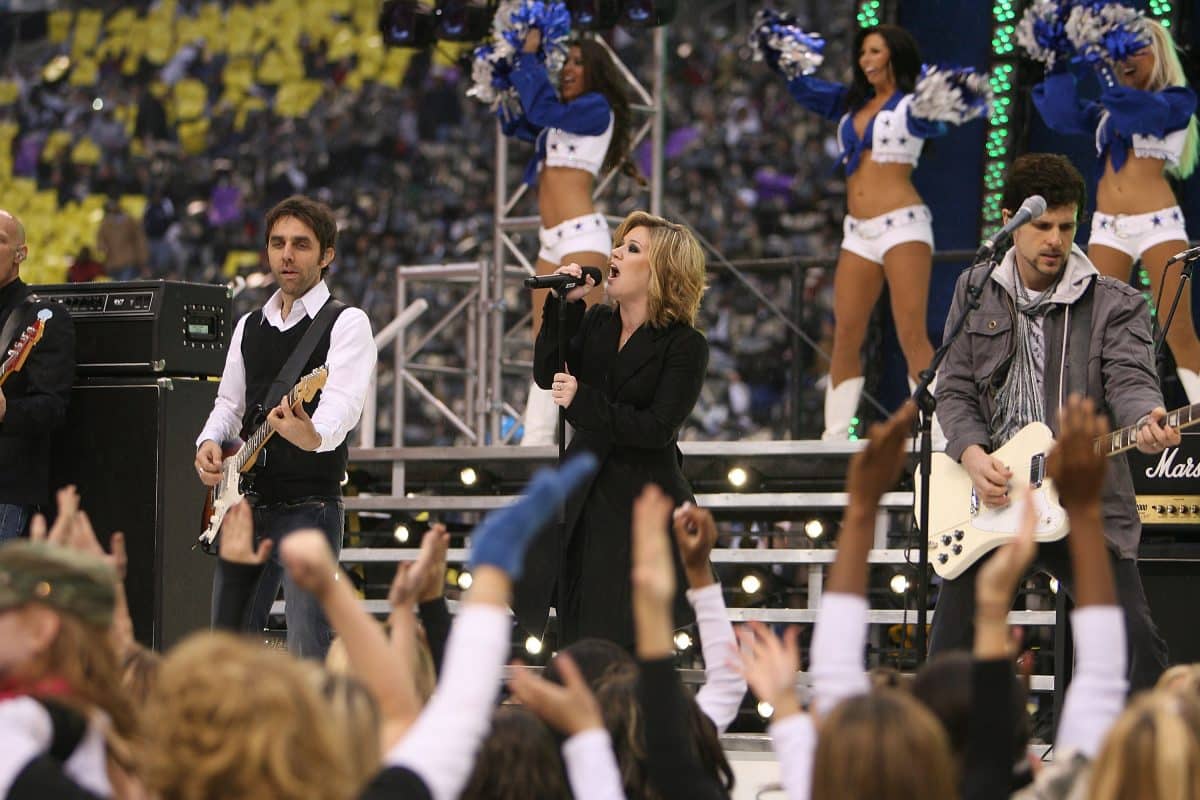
x: 1126, y: 438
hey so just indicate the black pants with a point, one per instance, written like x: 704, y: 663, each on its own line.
x: 954, y: 617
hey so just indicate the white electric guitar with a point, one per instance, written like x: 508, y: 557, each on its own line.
x: 228, y: 493
x: 962, y: 529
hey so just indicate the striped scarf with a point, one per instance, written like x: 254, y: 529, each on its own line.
x: 1020, y: 400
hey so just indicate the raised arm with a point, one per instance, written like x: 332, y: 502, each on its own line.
x: 839, y: 637
x: 724, y: 687
x: 820, y: 96
x: 1097, y: 692
x: 672, y: 762
x: 587, y: 115
x: 1057, y: 100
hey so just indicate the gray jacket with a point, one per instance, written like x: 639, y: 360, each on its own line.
x: 1111, y: 360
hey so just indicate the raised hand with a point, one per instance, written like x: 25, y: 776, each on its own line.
x: 695, y: 536
x: 770, y: 665
x: 876, y: 468
x: 59, y: 533
x: 236, y: 541
x: 1075, y: 466
x: 307, y: 556
x: 653, y: 571
x: 570, y: 708
x: 425, y: 578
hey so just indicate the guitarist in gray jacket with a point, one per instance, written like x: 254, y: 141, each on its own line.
x: 1048, y: 326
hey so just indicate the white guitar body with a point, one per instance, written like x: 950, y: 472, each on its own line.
x: 226, y: 495
x: 962, y: 529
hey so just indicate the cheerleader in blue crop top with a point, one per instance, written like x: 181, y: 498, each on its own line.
x: 888, y: 234
x: 1144, y: 130
x: 578, y: 130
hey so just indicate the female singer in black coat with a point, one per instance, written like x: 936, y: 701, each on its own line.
x: 634, y: 369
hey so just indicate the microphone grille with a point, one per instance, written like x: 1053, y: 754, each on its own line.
x: 1036, y: 205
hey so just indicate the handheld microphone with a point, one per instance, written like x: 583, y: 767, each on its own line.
x: 1191, y: 254
x: 1033, y: 207
x: 560, y: 280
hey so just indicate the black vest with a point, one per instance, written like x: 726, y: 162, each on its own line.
x: 284, y: 472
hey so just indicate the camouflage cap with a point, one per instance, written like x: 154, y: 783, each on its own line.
x: 75, y: 582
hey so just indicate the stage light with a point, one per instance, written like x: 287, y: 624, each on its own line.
x: 533, y: 646
x: 814, y: 529
x: 465, y: 580
x: 738, y: 477
x: 648, y: 13
x: 97, y: 104
x: 764, y: 709
x: 468, y: 476
x: 899, y: 583
x: 464, y: 20
x: 407, y: 23
x: 594, y: 15
x: 1054, y: 586
x: 751, y: 583
x: 682, y: 640
x: 401, y: 533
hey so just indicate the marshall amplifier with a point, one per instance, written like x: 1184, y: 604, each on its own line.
x: 167, y: 328
x: 1168, y: 484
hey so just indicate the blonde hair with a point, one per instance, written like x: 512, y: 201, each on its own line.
x: 1168, y: 71
x: 1181, y: 678
x: 907, y: 749
x: 1153, y: 751
x: 82, y: 655
x: 229, y: 718
x: 355, y: 719
x: 677, y: 278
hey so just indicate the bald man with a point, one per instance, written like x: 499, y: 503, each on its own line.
x: 33, y: 402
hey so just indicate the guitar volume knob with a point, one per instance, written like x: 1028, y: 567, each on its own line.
x: 946, y: 538
x: 943, y: 558
x: 958, y: 536
x: 957, y: 549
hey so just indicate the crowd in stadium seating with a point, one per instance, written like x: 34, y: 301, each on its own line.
x: 199, y: 138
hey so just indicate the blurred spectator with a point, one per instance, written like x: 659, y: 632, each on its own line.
x: 123, y: 243
x: 85, y: 267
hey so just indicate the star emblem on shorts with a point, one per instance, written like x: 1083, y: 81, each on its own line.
x: 554, y: 147
x: 571, y: 148
x: 1104, y: 224
x: 903, y: 140
x: 912, y: 216
x: 1175, y: 216
x: 1157, y: 220
x: 888, y: 222
x: 578, y: 226
x: 884, y: 140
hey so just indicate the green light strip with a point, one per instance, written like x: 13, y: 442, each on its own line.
x: 868, y: 13
x: 999, y: 126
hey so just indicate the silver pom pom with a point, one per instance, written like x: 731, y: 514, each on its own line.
x: 948, y: 95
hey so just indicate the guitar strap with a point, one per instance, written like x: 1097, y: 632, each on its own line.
x: 14, y: 320
x: 290, y: 373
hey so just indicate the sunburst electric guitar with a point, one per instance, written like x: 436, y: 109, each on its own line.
x: 226, y: 494
x: 16, y: 356
x: 962, y: 529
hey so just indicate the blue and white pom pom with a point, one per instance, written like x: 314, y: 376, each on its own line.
x: 514, y: 19
x: 1042, y: 32
x: 953, y: 95
x: 786, y: 47
x: 1104, y: 33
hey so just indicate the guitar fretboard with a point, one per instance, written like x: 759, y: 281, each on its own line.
x: 256, y: 440
x: 1126, y: 438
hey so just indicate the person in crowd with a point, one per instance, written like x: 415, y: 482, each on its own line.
x: 34, y: 399
x: 1146, y: 135
x: 888, y: 231
x: 122, y: 241
x: 630, y: 376
x: 581, y: 129
x: 85, y: 267
x: 1049, y: 325
x: 297, y: 483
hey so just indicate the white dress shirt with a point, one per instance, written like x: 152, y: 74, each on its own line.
x: 351, y: 361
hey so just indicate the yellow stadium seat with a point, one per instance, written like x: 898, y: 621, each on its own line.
x: 85, y: 152
x: 296, y: 98
x: 55, y: 142
x: 59, y: 24
x: 84, y: 72
x: 134, y: 205
x: 9, y: 92
x: 191, y: 99
x: 121, y: 21
x: 193, y: 136
x: 236, y: 260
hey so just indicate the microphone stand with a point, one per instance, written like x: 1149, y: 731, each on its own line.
x: 1185, y: 274
x: 926, y: 404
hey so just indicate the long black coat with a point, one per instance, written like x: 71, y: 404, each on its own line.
x: 628, y: 409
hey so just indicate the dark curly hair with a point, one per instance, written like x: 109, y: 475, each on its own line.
x: 1051, y: 175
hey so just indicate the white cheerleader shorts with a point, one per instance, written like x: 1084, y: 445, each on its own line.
x: 1134, y: 234
x: 871, y: 238
x: 586, y: 234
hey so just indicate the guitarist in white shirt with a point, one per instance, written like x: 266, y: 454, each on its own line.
x: 297, y: 478
x: 1049, y: 325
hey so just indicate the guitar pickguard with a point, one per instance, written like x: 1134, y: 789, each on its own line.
x: 1051, y: 519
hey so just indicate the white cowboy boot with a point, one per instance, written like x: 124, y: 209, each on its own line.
x: 1191, y: 383
x: 841, y: 403
x: 541, y: 418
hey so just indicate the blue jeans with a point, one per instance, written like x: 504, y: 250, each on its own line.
x: 13, y: 520
x: 308, y: 632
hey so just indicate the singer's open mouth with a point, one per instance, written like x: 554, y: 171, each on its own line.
x: 613, y: 271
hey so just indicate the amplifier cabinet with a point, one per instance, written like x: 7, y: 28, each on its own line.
x: 129, y: 447
x: 147, y: 327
